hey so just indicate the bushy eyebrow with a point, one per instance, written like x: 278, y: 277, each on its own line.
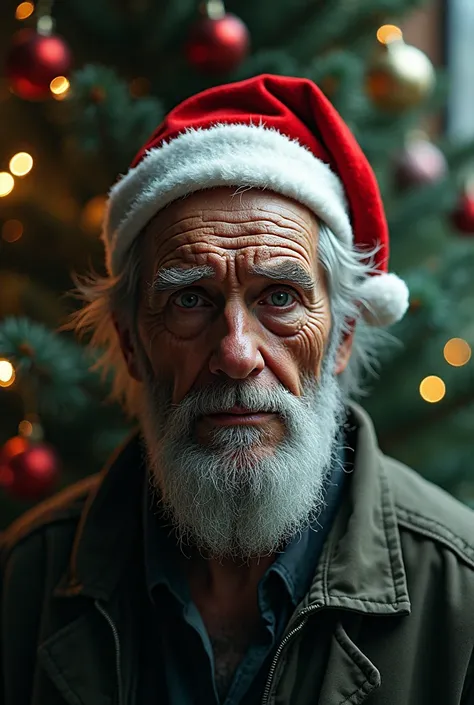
x: 292, y: 272
x: 174, y: 278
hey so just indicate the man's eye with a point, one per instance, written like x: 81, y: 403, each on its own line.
x: 280, y: 299
x: 189, y: 300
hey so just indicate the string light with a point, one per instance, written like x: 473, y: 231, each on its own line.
x: 432, y: 389
x: 7, y: 182
x: 7, y: 373
x: 59, y: 87
x: 388, y: 33
x: 24, y: 10
x: 21, y: 164
x: 457, y: 352
x: 31, y: 429
x: 12, y: 230
x: 25, y: 428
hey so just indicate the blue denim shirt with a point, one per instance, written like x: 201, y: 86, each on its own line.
x: 181, y: 668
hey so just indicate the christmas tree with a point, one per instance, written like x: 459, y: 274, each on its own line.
x: 85, y: 83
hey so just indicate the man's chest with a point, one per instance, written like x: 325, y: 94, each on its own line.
x: 231, y: 634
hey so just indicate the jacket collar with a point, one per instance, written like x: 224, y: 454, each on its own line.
x: 361, y: 567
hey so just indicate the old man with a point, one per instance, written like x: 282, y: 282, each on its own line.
x: 249, y: 543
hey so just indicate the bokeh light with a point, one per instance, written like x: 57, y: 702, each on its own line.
x: 45, y: 25
x: 388, y: 33
x: 457, y: 352
x: 12, y: 230
x: 31, y: 429
x: 7, y: 182
x: 7, y: 373
x: 24, y: 10
x: 21, y: 164
x: 25, y: 428
x: 432, y: 389
x: 59, y: 87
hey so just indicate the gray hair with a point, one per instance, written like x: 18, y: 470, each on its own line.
x: 117, y: 297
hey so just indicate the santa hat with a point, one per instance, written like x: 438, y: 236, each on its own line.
x: 271, y: 132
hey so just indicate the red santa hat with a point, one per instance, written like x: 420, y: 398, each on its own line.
x: 271, y: 132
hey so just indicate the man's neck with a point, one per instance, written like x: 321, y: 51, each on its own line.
x: 226, y: 583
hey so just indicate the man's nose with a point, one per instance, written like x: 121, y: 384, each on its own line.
x: 237, y: 353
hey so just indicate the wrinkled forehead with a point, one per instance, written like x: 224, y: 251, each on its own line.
x: 228, y: 217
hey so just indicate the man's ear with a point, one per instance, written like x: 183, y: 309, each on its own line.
x: 128, y: 349
x: 344, y: 350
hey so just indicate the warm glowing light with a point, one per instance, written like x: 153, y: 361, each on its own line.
x: 21, y: 164
x: 93, y: 214
x: 24, y: 10
x: 7, y: 373
x: 59, y: 86
x: 12, y: 230
x: 7, y: 182
x: 457, y: 352
x: 389, y: 33
x: 25, y: 428
x: 432, y: 389
x: 31, y: 429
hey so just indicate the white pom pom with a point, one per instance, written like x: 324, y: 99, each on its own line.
x: 385, y: 299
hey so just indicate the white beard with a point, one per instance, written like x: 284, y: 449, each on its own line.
x: 237, y: 496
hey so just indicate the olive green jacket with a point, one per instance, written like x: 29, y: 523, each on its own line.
x: 389, y: 618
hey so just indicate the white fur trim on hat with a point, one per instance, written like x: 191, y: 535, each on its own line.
x: 385, y: 299
x: 223, y: 155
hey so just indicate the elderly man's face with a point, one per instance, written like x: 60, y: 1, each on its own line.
x: 233, y: 326
x: 238, y: 323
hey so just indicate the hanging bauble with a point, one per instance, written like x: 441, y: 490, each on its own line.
x: 33, y: 61
x: 462, y: 216
x: 399, y: 77
x: 419, y: 163
x: 28, y: 470
x: 218, y: 42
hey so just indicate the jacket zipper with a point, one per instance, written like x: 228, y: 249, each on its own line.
x: 304, y: 613
x: 118, y: 667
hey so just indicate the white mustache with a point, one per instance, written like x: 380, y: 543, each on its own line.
x: 222, y: 398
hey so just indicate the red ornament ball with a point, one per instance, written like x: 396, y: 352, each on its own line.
x: 419, y: 164
x: 463, y: 215
x: 217, y: 45
x: 33, y: 60
x: 27, y: 470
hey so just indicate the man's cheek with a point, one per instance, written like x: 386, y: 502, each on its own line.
x: 302, y: 355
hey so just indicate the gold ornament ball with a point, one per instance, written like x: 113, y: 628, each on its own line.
x: 400, y: 77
